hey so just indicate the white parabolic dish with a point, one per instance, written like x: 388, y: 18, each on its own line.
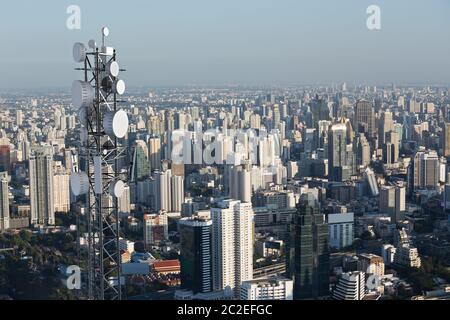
x: 119, y: 87
x: 116, y: 123
x: 82, y: 94
x: 79, y: 183
x: 113, y: 68
x: 79, y: 52
x: 116, y: 188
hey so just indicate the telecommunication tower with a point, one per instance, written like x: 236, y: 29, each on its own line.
x: 102, y: 180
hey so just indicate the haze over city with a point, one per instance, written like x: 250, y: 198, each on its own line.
x: 289, y: 42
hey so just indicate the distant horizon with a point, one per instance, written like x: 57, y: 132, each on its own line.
x: 256, y: 42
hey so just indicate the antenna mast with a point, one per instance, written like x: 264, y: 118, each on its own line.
x: 101, y: 181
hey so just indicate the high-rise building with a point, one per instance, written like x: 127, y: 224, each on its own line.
x: 5, y: 158
x: 177, y: 189
x: 154, y: 151
x: 446, y: 140
x: 351, y: 286
x: 156, y: 228
x: 61, y: 190
x: 141, y: 164
x: 196, y: 254
x: 4, y: 201
x: 267, y: 289
x: 308, y: 255
x: 163, y: 192
x: 240, y: 185
x: 365, y: 118
x: 391, y: 148
x: 337, y: 153
x: 392, y: 201
x: 425, y: 170
x: 42, y: 187
x: 232, y: 244
x: 341, y: 233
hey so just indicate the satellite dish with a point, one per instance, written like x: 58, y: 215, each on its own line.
x: 105, y: 31
x: 92, y: 44
x: 82, y: 116
x: 119, y: 87
x: 117, y: 188
x: 79, y: 52
x: 116, y: 123
x: 82, y: 94
x: 79, y: 183
x: 113, y: 68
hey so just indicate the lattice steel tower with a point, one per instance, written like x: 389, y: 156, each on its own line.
x: 102, y: 181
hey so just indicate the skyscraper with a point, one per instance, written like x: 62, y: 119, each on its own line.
x: 365, y: 118
x: 196, y: 255
x: 154, y: 151
x: 41, y: 186
x: 337, y: 153
x: 446, y: 140
x: 232, y: 244
x: 5, y: 158
x: 141, y: 164
x: 4, y: 201
x: 425, y: 170
x: 308, y: 256
x: 240, y: 185
x: 392, y: 201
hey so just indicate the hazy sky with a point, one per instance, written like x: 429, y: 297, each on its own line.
x: 211, y: 42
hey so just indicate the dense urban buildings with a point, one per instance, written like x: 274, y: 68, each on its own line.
x: 248, y: 193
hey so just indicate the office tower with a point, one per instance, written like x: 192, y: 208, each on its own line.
x: 276, y: 116
x: 155, y: 228
x: 61, y: 190
x: 351, y: 286
x: 385, y: 125
x: 308, y: 256
x: 292, y: 169
x: 4, y: 201
x: 5, y: 158
x: 19, y: 117
x: 196, y: 254
x: 362, y: 151
x: 124, y: 202
x: 337, y: 153
x: 240, y: 185
x: 392, y: 201
x: 365, y: 118
x: 320, y: 110
x: 141, y: 164
x: 41, y: 186
x: 232, y: 244
x: 267, y: 289
x: 341, y: 233
x: 391, y: 148
x: 154, y: 151
x: 371, y: 180
x: 446, y: 140
x: 425, y: 170
x: 177, y: 190
x: 163, y: 191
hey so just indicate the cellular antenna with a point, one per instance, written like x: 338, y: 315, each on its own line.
x: 102, y: 181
